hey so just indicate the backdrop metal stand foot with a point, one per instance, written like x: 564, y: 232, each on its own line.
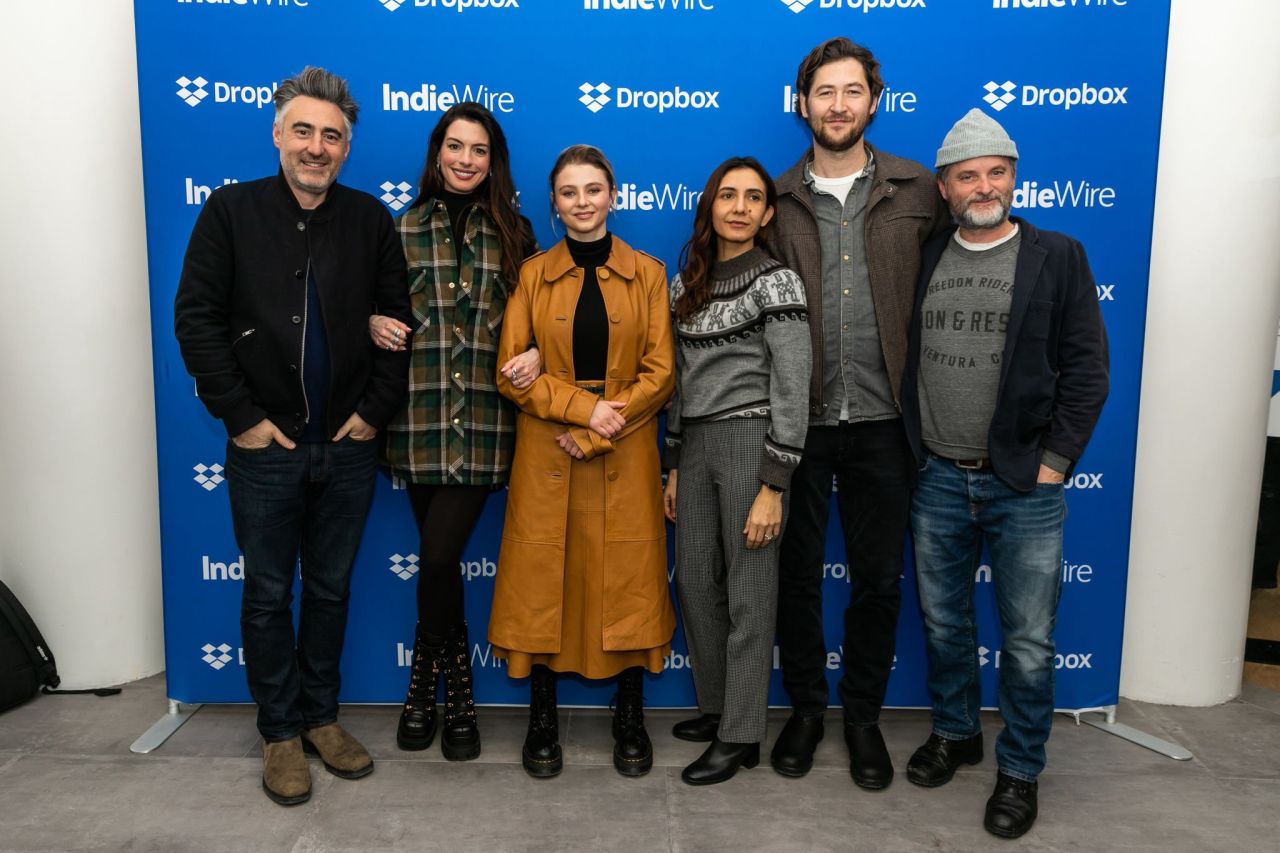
x: 1109, y: 725
x: 160, y: 731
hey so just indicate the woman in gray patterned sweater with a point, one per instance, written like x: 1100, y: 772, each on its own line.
x: 735, y: 431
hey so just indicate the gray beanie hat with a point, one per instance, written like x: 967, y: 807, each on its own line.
x: 975, y: 135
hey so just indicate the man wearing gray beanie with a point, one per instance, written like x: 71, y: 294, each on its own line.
x: 1006, y: 376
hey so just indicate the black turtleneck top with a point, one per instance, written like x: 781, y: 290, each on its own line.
x: 590, y: 319
x: 457, y: 205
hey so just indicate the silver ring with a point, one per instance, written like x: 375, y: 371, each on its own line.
x: 768, y: 536
x: 395, y: 333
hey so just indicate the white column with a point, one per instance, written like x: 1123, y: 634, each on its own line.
x: 79, y: 533
x: 1210, y: 339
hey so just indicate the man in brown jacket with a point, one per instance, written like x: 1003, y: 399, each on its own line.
x: 851, y: 220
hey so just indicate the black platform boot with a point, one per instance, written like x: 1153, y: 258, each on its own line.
x: 417, y: 727
x: 632, y: 751
x: 460, y: 739
x: 541, y: 755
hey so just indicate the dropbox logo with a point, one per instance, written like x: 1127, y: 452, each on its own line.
x: 404, y: 566
x: 216, y: 656
x: 594, y: 97
x: 209, y: 476
x: 864, y: 6
x: 396, y: 196
x: 983, y: 653
x: 392, y: 5
x: 999, y: 95
x: 192, y: 91
x: 797, y: 6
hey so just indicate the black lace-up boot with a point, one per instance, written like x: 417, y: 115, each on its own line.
x: 632, y: 751
x: 460, y: 738
x: 541, y: 755
x: 417, y: 727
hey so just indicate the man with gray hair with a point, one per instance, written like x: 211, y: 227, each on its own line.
x: 278, y: 282
x: 1007, y: 371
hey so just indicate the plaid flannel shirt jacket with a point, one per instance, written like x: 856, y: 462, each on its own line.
x: 456, y: 429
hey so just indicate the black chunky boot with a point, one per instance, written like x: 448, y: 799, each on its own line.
x: 632, y: 751
x: 417, y: 727
x: 541, y: 755
x: 460, y: 739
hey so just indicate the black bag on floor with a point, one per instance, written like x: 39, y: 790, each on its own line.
x: 26, y: 664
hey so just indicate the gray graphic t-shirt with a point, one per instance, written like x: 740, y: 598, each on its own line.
x: 963, y: 322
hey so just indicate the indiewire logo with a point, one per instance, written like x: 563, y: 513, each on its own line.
x: 431, y: 98
x: 456, y: 5
x: 279, y: 4
x: 396, y: 196
x: 404, y: 566
x: 649, y: 5
x: 198, y: 194
x: 481, y: 656
x: 192, y: 91
x: 209, y: 476
x: 216, y: 656
x: 1055, y: 4
x: 657, y: 197
x: 211, y: 571
x: 595, y: 96
x: 1001, y: 95
x: 889, y: 102
x: 1071, y: 573
x: 799, y: 6
x: 1030, y: 194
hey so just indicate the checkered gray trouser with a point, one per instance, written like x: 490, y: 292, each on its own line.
x: 728, y: 594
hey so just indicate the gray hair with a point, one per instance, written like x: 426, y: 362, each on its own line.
x: 313, y: 82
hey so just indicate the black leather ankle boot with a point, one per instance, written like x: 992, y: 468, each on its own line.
x: 541, y: 755
x: 632, y: 751
x: 417, y: 727
x: 460, y: 739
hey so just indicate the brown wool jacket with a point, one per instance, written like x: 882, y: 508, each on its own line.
x: 903, y: 212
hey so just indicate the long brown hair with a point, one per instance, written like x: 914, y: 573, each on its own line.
x: 699, y: 253
x: 496, y: 194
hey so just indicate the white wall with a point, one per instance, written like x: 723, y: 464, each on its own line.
x: 1210, y: 341
x: 79, y: 534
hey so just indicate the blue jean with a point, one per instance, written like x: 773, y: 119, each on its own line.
x: 953, y: 511
x: 292, y: 510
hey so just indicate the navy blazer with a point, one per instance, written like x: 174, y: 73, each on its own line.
x: 1054, y: 369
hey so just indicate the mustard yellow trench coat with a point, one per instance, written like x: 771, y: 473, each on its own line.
x: 528, y: 594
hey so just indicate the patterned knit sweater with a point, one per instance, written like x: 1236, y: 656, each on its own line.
x: 746, y: 354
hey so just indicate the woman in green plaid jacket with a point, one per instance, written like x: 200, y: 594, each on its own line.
x: 464, y: 239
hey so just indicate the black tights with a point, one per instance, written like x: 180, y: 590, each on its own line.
x: 446, y: 516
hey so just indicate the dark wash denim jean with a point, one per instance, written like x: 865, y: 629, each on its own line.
x: 872, y: 463
x: 952, y: 513
x: 304, y: 507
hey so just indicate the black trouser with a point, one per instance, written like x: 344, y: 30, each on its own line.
x: 446, y: 516
x: 872, y: 464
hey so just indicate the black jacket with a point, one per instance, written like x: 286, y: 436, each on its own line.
x: 241, y: 307
x: 1053, y: 372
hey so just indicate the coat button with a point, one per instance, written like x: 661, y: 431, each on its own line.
x: 297, y: 273
x: 451, y: 285
x: 293, y: 368
x: 302, y: 226
x: 613, y: 372
x: 296, y: 319
x: 615, y: 317
x: 604, y: 275
x: 613, y: 475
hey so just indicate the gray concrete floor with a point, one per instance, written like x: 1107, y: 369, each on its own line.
x: 69, y: 782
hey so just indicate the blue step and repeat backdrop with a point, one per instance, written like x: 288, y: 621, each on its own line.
x: 668, y: 88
